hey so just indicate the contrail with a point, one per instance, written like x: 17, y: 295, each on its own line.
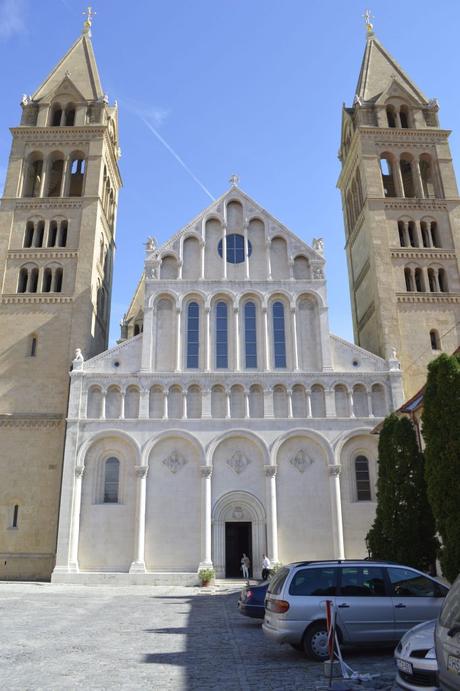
x: 176, y: 156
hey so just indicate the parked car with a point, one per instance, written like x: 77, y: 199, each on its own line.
x: 415, y: 658
x: 252, y: 600
x: 447, y: 640
x: 376, y: 603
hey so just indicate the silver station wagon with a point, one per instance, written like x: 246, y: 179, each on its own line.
x: 376, y: 603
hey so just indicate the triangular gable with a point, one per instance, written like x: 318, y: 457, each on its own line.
x: 396, y: 90
x: 235, y: 194
x: 80, y: 63
x: 378, y: 69
x: 67, y: 88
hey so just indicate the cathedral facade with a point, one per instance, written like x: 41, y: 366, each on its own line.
x: 233, y: 422
x: 228, y: 418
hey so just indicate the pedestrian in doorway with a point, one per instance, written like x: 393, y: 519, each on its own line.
x: 266, y: 565
x: 245, y: 564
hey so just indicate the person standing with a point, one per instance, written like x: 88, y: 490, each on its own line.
x: 245, y: 564
x: 266, y: 564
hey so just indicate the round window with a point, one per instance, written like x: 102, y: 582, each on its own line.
x: 235, y: 248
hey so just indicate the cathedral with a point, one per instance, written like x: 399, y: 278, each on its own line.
x: 228, y: 418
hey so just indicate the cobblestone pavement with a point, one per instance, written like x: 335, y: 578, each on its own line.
x: 75, y: 637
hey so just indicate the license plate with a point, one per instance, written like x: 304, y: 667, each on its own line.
x: 404, y: 666
x: 453, y: 664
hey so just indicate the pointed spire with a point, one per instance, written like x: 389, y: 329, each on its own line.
x: 379, y: 69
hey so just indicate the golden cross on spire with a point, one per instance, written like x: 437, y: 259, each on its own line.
x: 367, y: 19
x: 89, y: 14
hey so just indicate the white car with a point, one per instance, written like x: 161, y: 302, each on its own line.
x: 415, y: 658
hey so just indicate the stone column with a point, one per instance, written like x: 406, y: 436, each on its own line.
x: 44, y: 180
x: 144, y: 404
x: 350, y: 402
x: 237, y: 338
x: 138, y: 565
x: 224, y: 248
x: 208, y: 338
x: 165, y: 405
x: 179, y: 340
x: 122, y: 405
x: 369, y: 403
x: 418, y: 184
x: 206, y: 557
x: 75, y: 525
x: 247, y: 412
x: 202, y: 248
x: 397, y: 178
x: 294, y: 338
x: 184, y: 405
x: 228, y: 411
x: 268, y: 244
x: 308, y: 401
x: 334, y: 474
x: 65, y: 172
x: 104, y: 394
x: 272, y: 532
x: 289, y: 397
x: 246, y: 250
x: 267, y: 339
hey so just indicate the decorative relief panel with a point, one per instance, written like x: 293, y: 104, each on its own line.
x: 238, y: 513
x: 175, y: 461
x: 238, y: 462
x: 301, y: 460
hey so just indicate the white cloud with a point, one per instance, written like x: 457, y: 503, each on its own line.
x: 12, y: 18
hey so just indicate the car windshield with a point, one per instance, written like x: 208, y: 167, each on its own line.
x: 450, y: 613
x: 277, y: 581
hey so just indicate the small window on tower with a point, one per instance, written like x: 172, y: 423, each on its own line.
x: 435, y: 340
x: 14, y: 523
x: 33, y: 346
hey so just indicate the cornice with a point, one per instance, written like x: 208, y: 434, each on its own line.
x: 29, y: 299
x: 430, y: 298
x: 54, y: 134
x: 394, y: 134
x: 49, y: 202
x: 42, y: 253
x: 422, y: 253
x: 413, y: 203
x: 31, y: 420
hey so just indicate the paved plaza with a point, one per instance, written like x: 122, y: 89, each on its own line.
x: 102, y: 637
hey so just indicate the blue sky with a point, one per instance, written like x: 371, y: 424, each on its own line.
x: 247, y: 86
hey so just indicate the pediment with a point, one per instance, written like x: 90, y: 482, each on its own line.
x: 252, y: 211
x: 66, y: 91
x: 396, y: 90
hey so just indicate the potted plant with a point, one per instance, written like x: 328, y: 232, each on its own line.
x: 206, y: 575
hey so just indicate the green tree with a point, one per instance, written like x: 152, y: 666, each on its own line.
x: 441, y: 431
x: 404, y: 528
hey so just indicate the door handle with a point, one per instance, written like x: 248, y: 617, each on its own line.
x: 399, y: 605
x: 344, y: 606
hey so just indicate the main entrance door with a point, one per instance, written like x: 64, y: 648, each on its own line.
x: 238, y: 540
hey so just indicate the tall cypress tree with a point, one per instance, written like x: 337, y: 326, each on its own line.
x: 441, y: 431
x: 404, y: 528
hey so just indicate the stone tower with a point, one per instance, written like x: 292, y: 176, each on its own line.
x: 402, y: 218
x: 57, y: 232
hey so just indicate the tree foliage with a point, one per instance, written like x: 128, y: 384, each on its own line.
x: 404, y: 528
x: 441, y: 431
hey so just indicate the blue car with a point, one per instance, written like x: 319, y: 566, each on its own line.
x: 252, y: 600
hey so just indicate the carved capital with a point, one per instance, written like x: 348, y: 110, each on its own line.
x: 79, y: 470
x: 334, y: 470
x: 141, y: 471
x: 206, y: 471
x: 270, y: 470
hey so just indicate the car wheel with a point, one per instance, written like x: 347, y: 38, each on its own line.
x: 315, y: 642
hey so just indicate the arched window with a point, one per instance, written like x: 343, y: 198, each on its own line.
x: 47, y: 278
x: 218, y: 402
x: 175, y: 403
x: 132, y: 400
x: 221, y: 335
x: 111, y: 480
x: 408, y: 279
x: 237, y: 402
x: 194, y: 401
x: 426, y: 174
x: 22, y: 281
x: 442, y: 280
x: 404, y: 117
x: 113, y: 403
x: 299, y: 401
x: 250, y: 335
x: 436, y: 242
x: 391, y: 117
x: 57, y: 282
x: 256, y: 401
x: 412, y: 234
x: 33, y: 176
x: 386, y: 169
x: 360, y: 403
x: 29, y: 234
x: 193, y: 335
x: 70, y: 115
x: 419, y: 282
x: 52, y: 234
x: 77, y: 174
x: 33, y: 281
x: 342, y: 409
x: 435, y: 340
x: 402, y: 234
x: 363, y: 484
x: 54, y: 177
x: 94, y: 403
x: 62, y: 242
x: 280, y: 401
x: 56, y: 115
x: 279, y: 335
x: 318, y: 401
x: 156, y: 402
x: 407, y: 176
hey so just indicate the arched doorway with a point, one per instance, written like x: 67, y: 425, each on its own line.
x: 239, y: 524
